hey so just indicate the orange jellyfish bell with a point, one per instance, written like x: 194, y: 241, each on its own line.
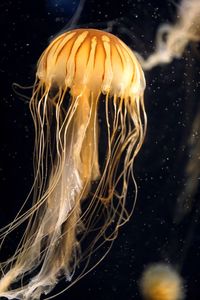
x: 91, y: 59
x: 88, y: 111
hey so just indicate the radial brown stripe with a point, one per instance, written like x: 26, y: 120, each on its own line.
x: 70, y: 63
x: 50, y: 50
x: 90, y: 62
x: 89, y: 51
x: 108, y: 73
x: 53, y: 56
x: 69, y: 37
x: 128, y: 50
x: 95, y: 55
x: 121, y: 56
x: 85, y: 41
x: 128, y: 64
x: 55, y: 43
x: 114, y: 49
x: 101, y: 43
x: 46, y: 52
x: 76, y: 53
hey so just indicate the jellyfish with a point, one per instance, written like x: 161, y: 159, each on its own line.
x: 161, y: 282
x: 87, y: 96
x: 172, y: 40
x: 186, y: 197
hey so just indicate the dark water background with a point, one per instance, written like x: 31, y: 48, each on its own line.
x: 158, y: 230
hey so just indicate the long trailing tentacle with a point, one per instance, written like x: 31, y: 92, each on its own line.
x: 57, y: 202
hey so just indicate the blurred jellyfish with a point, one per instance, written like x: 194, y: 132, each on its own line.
x: 84, y: 78
x: 192, y: 172
x: 161, y: 282
x: 173, y: 39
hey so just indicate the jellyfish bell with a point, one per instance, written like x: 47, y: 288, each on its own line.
x: 92, y: 59
x: 160, y: 281
x: 73, y: 73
